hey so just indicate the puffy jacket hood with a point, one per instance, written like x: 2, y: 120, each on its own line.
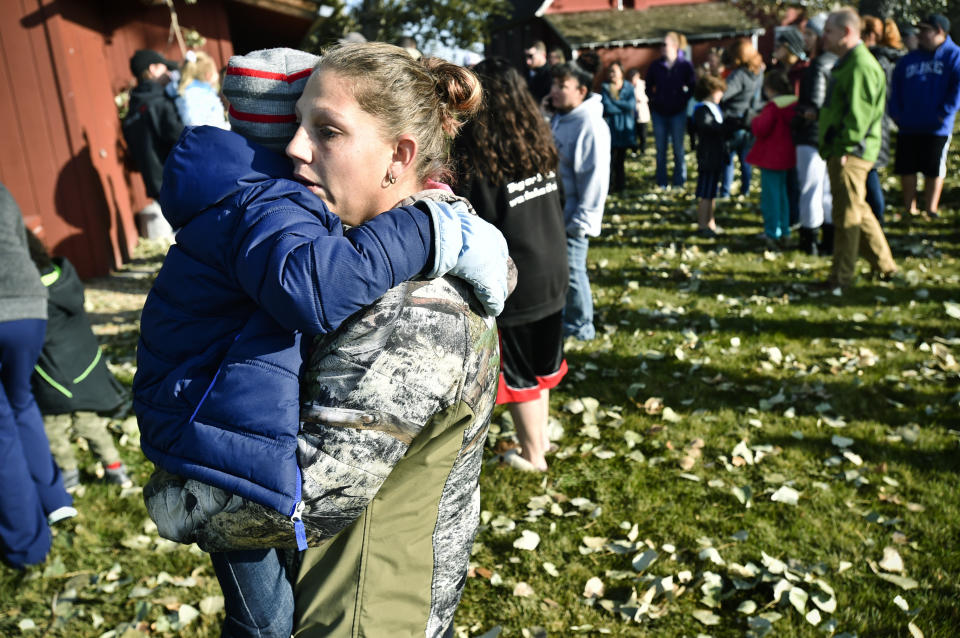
x: 231, y: 163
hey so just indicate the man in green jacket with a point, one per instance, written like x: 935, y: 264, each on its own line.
x: 850, y: 142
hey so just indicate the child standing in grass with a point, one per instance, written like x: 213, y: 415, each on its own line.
x: 71, y: 382
x: 712, y: 153
x: 774, y: 153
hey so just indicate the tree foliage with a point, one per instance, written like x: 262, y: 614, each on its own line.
x: 458, y: 23
x: 899, y: 10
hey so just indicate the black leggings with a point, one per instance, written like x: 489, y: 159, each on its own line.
x: 618, y: 177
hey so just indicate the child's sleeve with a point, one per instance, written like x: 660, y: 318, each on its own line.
x: 293, y: 258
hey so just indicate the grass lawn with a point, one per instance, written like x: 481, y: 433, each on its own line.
x: 743, y: 455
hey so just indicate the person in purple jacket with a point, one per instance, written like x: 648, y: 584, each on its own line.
x: 924, y: 98
x: 670, y: 81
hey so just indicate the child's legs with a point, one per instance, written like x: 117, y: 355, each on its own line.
x: 772, y: 196
x: 58, y: 427
x: 783, y: 216
x: 257, y: 592
x: 93, y: 428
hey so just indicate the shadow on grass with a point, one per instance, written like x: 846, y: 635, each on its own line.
x: 927, y: 460
x: 676, y: 381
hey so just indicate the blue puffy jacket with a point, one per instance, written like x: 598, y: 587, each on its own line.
x: 216, y: 391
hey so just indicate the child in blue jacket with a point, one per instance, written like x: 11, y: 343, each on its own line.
x: 259, y: 260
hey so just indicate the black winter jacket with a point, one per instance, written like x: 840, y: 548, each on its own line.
x: 151, y: 129
x: 71, y: 374
x: 712, y: 151
x: 813, y: 93
x: 887, y: 57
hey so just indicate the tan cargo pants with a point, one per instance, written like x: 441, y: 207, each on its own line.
x: 856, y: 229
x: 63, y: 428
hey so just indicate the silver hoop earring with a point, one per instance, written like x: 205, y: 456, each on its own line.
x: 393, y: 180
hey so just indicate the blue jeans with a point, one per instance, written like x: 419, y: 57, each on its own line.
x: 875, y: 195
x: 740, y: 145
x: 257, y: 593
x: 672, y: 127
x: 578, y: 313
x: 30, y: 483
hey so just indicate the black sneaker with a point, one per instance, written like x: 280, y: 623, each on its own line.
x: 118, y: 476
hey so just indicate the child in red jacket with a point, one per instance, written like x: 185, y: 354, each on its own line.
x: 774, y: 154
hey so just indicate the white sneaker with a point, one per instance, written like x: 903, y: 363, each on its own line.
x: 60, y: 514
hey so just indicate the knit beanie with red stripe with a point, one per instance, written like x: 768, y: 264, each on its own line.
x: 263, y: 88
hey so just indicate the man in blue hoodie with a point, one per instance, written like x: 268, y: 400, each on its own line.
x: 583, y: 143
x: 924, y: 98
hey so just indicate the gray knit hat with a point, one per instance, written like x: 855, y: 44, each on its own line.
x: 816, y: 23
x: 791, y: 37
x: 263, y: 87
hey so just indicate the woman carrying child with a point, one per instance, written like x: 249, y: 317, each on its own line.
x: 774, y: 154
x: 383, y: 474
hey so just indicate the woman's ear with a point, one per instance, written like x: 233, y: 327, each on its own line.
x: 404, y: 156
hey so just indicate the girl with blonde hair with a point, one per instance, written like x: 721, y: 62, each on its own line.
x: 198, y: 100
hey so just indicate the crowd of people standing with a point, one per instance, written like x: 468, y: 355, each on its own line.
x: 842, y: 98
x: 285, y: 358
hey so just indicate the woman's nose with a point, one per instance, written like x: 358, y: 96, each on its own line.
x: 299, y: 147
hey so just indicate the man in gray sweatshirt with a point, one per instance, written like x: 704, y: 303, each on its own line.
x: 583, y: 142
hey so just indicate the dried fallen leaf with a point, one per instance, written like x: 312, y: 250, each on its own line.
x: 711, y: 554
x: 706, y: 616
x: 786, y: 495
x: 211, y: 605
x: 891, y: 561
x: 594, y: 588
x: 914, y: 630
x: 670, y: 416
x: 642, y: 561
x: 523, y: 590
x: 653, y: 405
x: 841, y: 441
x: 528, y: 540
x: 744, y: 494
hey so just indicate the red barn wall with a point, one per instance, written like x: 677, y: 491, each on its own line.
x: 61, y: 63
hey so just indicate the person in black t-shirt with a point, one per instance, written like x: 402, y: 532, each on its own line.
x: 507, y: 165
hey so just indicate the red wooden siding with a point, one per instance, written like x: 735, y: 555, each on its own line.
x: 61, y: 63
